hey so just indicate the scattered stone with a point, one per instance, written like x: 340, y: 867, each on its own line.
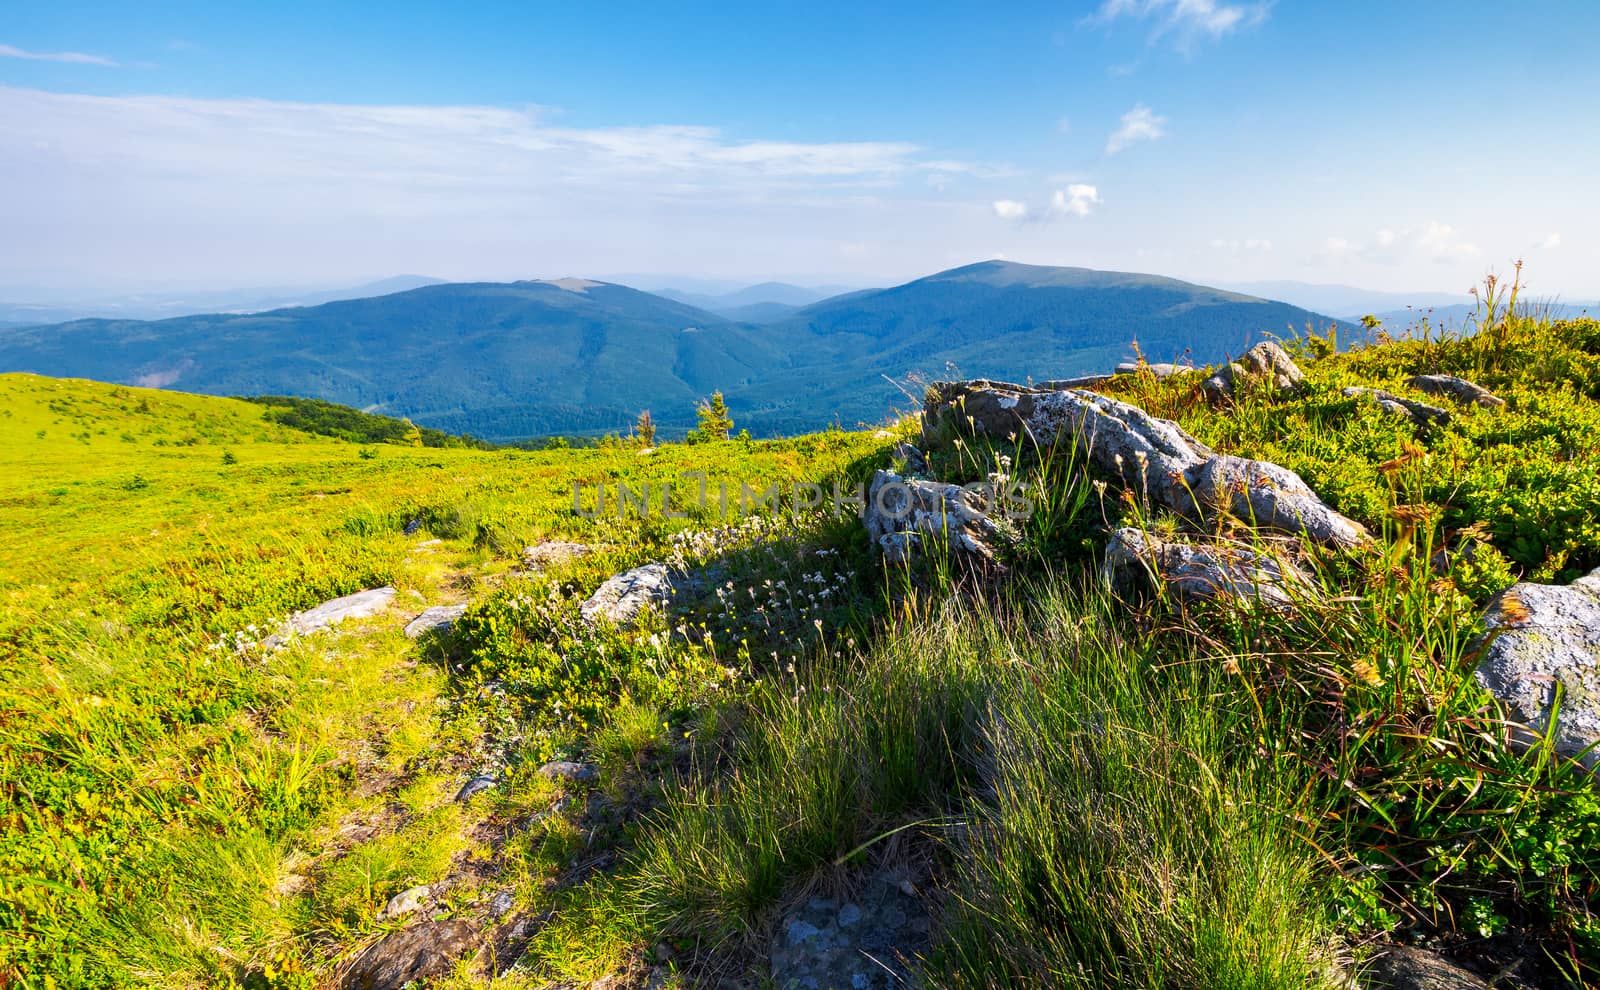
x: 1160, y: 370
x: 860, y: 944
x: 1419, y: 413
x: 417, y: 953
x: 901, y: 513
x: 908, y: 455
x: 553, y: 552
x: 1266, y: 364
x: 501, y: 904
x: 1264, y: 494
x: 1402, y: 968
x: 413, y: 527
x: 624, y: 597
x: 330, y: 613
x: 428, y: 543
x: 436, y: 618
x: 1202, y: 573
x: 407, y: 901
x: 476, y: 785
x: 1541, y: 658
x: 568, y: 770
x: 1458, y: 389
x: 1155, y: 458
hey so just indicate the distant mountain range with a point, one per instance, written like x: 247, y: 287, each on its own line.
x: 1398, y: 310
x: 573, y: 356
x: 158, y: 305
x: 768, y: 302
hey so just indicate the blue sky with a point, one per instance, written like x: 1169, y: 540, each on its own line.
x: 1409, y: 146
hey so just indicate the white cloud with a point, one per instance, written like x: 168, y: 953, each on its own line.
x: 1010, y: 209
x: 72, y: 58
x: 1138, y: 124
x: 1077, y: 200
x: 1186, y: 22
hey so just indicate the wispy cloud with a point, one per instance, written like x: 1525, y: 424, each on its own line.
x: 1434, y: 242
x: 71, y: 58
x: 450, y: 188
x: 1138, y: 124
x: 1184, y: 22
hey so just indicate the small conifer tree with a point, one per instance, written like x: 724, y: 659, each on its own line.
x: 645, y: 429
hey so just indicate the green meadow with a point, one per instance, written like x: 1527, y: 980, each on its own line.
x: 1090, y: 791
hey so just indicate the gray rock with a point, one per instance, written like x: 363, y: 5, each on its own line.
x: 1153, y: 457
x: 908, y: 455
x: 437, y: 617
x: 407, y: 901
x: 1160, y: 370
x: 501, y: 904
x: 360, y: 605
x: 1265, y: 365
x: 624, y: 597
x: 1401, y: 968
x: 412, y: 527
x: 1419, y: 413
x: 1203, y: 573
x: 858, y: 944
x: 476, y: 785
x: 405, y: 957
x: 1541, y: 657
x: 568, y: 770
x: 1458, y: 389
x: 553, y: 552
x: 1264, y: 494
x: 904, y: 515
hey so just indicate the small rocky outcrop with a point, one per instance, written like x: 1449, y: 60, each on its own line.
x: 1401, y: 968
x: 908, y: 455
x: 407, y: 901
x: 477, y: 785
x: 550, y: 552
x: 1160, y: 370
x: 1419, y: 413
x: 360, y: 605
x: 861, y: 943
x: 1459, y: 389
x: 1202, y: 573
x: 1155, y: 458
x: 1541, y: 658
x: 569, y: 770
x: 416, y: 953
x: 436, y: 618
x: 904, y: 515
x: 625, y: 597
x: 1266, y: 365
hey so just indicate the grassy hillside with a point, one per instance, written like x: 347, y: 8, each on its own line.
x: 168, y: 786
x: 495, y: 360
x: 1066, y: 787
